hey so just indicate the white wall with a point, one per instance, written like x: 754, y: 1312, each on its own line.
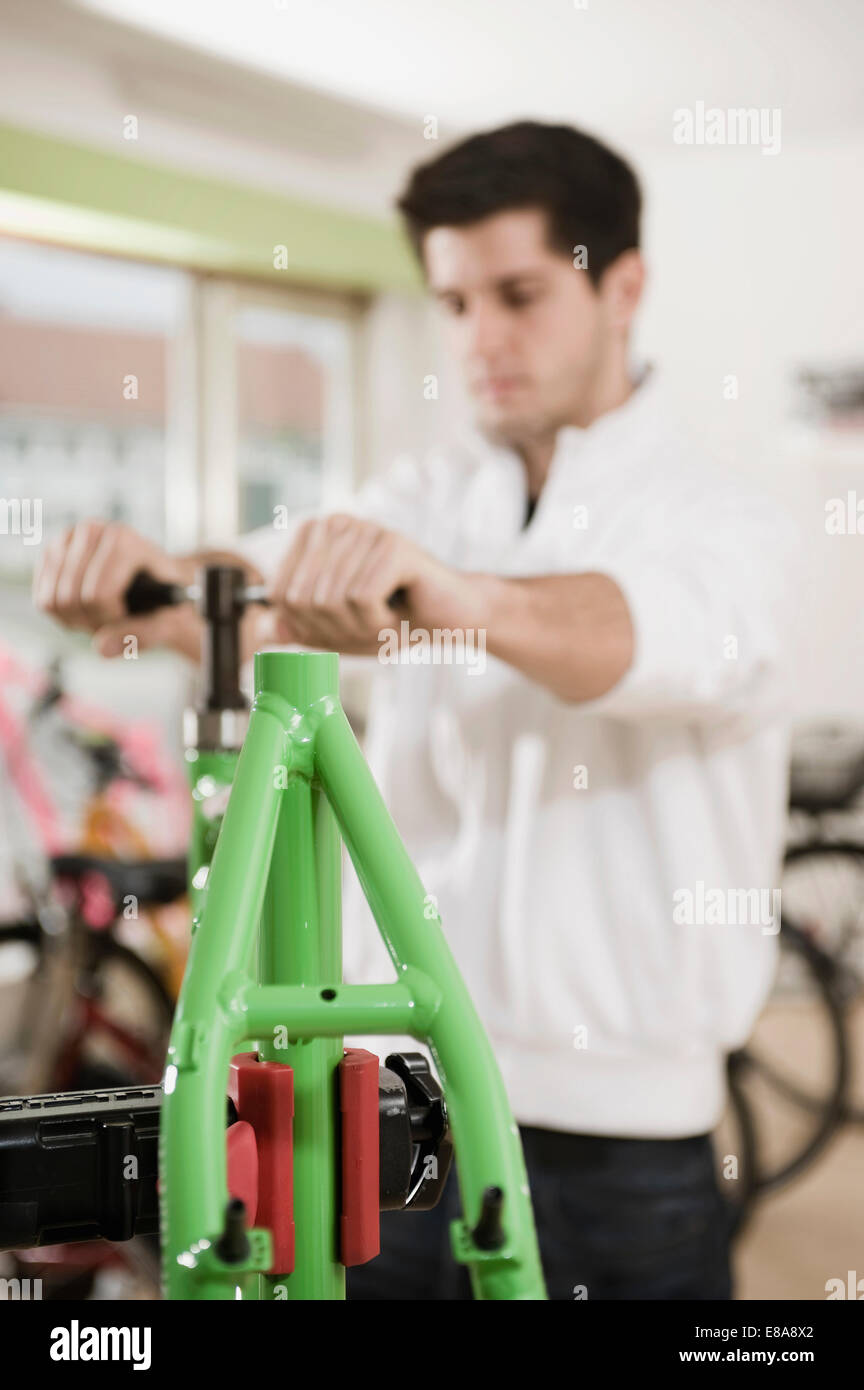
x: 756, y: 269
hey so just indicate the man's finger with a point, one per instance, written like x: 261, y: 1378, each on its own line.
x: 48, y: 572
x: 310, y: 566
x: 105, y: 579
x: 346, y: 557
x: 289, y: 562
x: 79, y: 552
x: 374, y: 582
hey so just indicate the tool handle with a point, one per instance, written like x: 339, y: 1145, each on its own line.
x: 146, y: 594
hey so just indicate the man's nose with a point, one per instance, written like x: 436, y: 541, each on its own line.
x: 487, y: 332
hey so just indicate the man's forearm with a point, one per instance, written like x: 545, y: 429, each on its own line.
x: 569, y: 632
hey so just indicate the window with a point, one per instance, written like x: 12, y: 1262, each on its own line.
x: 294, y: 398
x: 84, y: 350
x: 189, y: 406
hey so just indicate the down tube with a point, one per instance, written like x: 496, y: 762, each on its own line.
x: 488, y: 1148
x: 301, y: 944
x: 192, y: 1155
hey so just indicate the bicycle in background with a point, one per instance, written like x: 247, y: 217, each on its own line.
x: 85, y: 1002
x: 798, y: 1081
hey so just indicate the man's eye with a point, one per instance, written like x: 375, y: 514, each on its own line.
x: 520, y: 299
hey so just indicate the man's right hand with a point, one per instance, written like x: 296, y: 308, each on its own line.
x: 82, y: 581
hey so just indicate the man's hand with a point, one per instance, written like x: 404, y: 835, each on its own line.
x: 332, y: 588
x: 572, y: 633
x: 83, y: 578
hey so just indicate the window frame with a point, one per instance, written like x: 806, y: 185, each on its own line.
x: 201, y: 483
x: 202, y: 486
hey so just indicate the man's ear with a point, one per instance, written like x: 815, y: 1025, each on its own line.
x: 621, y: 286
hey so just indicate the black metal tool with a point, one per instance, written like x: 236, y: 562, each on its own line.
x: 84, y: 1164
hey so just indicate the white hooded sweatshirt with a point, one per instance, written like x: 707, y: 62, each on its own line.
x: 606, y: 872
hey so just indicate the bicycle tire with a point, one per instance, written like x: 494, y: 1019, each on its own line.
x: 738, y: 1103
x: 109, y: 950
x: 830, y: 1107
x: 825, y: 849
x: 850, y: 979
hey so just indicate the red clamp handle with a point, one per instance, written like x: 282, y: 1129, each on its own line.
x: 261, y: 1153
x: 361, y: 1207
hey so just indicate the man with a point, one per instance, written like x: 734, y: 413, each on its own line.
x: 614, y: 762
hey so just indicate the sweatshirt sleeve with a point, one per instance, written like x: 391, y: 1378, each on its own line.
x: 710, y: 584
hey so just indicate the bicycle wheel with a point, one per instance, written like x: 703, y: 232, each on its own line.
x: 122, y: 1022
x: 735, y: 1149
x: 116, y: 1020
x: 793, y: 1074
x: 823, y: 891
x: 22, y: 976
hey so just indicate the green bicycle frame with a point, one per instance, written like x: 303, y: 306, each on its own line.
x: 211, y: 772
x: 273, y: 896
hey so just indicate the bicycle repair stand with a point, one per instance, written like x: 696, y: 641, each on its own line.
x: 318, y: 1142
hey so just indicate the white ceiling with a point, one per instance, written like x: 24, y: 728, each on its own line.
x: 621, y: 66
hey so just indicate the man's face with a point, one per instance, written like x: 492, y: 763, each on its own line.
x: 529, y: 329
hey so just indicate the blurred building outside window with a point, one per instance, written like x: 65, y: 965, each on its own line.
x: 100, y: 415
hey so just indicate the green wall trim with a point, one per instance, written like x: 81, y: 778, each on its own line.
x: 57, y: 191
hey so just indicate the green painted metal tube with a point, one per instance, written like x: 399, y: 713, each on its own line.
x: 488, y: 1147
x: 301, y: 946
x: 406, y: 1007
x: 208, y: 771
x: 192, y: 1128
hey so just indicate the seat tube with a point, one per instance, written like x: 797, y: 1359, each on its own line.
x: 300, y: 943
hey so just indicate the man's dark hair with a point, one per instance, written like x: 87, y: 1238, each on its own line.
x: 590, y: 195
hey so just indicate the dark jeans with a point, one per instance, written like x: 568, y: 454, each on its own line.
x: 616, y: 1218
